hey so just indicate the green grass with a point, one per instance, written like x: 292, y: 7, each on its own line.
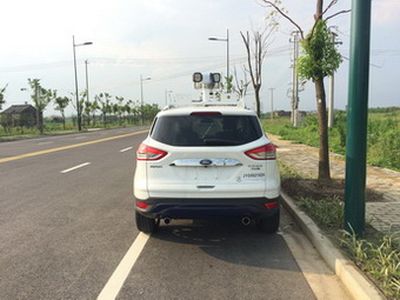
x: 383, y: 135
x: 376, y: 254
x: 54, y: 128
x: 327, y: 212
x: 380, y: 259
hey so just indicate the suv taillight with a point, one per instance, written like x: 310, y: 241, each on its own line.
x: 266, y: 152
x: 149, y: 153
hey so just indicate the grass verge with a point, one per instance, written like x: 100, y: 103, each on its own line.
x: 376, y: 254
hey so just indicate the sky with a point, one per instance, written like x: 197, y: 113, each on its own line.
x: 168, y: 41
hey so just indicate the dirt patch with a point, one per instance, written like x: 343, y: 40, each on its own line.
x: 300, y: 187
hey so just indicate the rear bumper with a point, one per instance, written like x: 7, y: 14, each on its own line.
x: 254, y: 208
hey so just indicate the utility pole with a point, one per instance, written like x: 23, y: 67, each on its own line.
x: 167, y: 93
x: 295, y: 80
x: 78, y: 109
x: 331, y: 100
x: 87, y: 89
x: 272, y: 102
x: 227, y: 53
x: 331, y: 111
x: 357, y: 118
x: 141, y: 99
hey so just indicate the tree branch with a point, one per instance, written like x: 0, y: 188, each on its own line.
x: 333, y: 2
x: 338, y: 13
x: 280, y: 11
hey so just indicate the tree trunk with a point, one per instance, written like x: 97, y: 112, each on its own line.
x: 323, y: 166
x: 39, y: 120
x: 257, y: 96
x: 63, y: 119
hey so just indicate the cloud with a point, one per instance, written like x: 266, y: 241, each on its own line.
x: 385, y: 12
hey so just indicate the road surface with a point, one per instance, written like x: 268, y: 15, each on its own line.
x: 67, y: 232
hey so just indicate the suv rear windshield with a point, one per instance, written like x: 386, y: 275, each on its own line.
x: 206, y: 130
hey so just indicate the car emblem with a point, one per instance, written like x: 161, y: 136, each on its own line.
x: 206, y: 162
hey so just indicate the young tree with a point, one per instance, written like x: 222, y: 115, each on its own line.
x: 41, y: 97
x: 128, y: 110
x: 256, y: 47
x: 61, y: 104
x: 2, y: 100
x: 119, y: 108
x: 87, y: 110
x: 105, y: 105
x: 320, y: 59
x: 241, y: 85
x: 93, y: 108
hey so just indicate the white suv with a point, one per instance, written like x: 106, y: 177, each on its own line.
x: 209, y: 161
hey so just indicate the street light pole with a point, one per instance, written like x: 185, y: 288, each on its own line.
x: 141, y: 96
x: 227, y: 48
x: 78, y: 109
x: 357, y: 118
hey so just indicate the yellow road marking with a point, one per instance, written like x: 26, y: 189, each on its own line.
x: 47, y: 151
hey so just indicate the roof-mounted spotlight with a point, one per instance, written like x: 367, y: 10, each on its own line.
x: 197, y: 77
x: 215, y: 77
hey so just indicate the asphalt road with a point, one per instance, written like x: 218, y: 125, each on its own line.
x: 65, y: 230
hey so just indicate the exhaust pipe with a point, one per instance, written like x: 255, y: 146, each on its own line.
x: 246, y: 221
x: 167, y: 221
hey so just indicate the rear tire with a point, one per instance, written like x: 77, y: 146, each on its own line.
x: 269, y: 224
x: 145, y: 224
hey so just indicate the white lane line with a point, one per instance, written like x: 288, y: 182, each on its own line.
x: 76, y: 167
x: 117, y: 279
x: 125, y: 149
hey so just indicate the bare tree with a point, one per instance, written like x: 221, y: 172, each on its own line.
x: 321, y: 59
x: 256, y: 45
x: 241, y: 85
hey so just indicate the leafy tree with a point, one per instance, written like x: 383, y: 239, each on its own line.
x: 61, y: 104
x: 2, y: 100
x: 41, y: 97
x: 320, y: 59
x: 94, y: 107
x: 104, y: 100
x: 120, y: 108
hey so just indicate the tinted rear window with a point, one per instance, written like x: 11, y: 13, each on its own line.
x: 212, y: 130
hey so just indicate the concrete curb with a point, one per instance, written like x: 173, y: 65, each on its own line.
x: 358, y: 286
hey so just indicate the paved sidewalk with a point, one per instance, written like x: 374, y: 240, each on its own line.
x: 382, y: 215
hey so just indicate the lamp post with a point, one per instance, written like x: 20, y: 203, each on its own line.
x: 357, y: 117
x: 227, y: 48
x: 78, y: 109
x: 141, y: 95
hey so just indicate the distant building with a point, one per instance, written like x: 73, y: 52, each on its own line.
x: 23, y: 115
x: 282, y: 113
